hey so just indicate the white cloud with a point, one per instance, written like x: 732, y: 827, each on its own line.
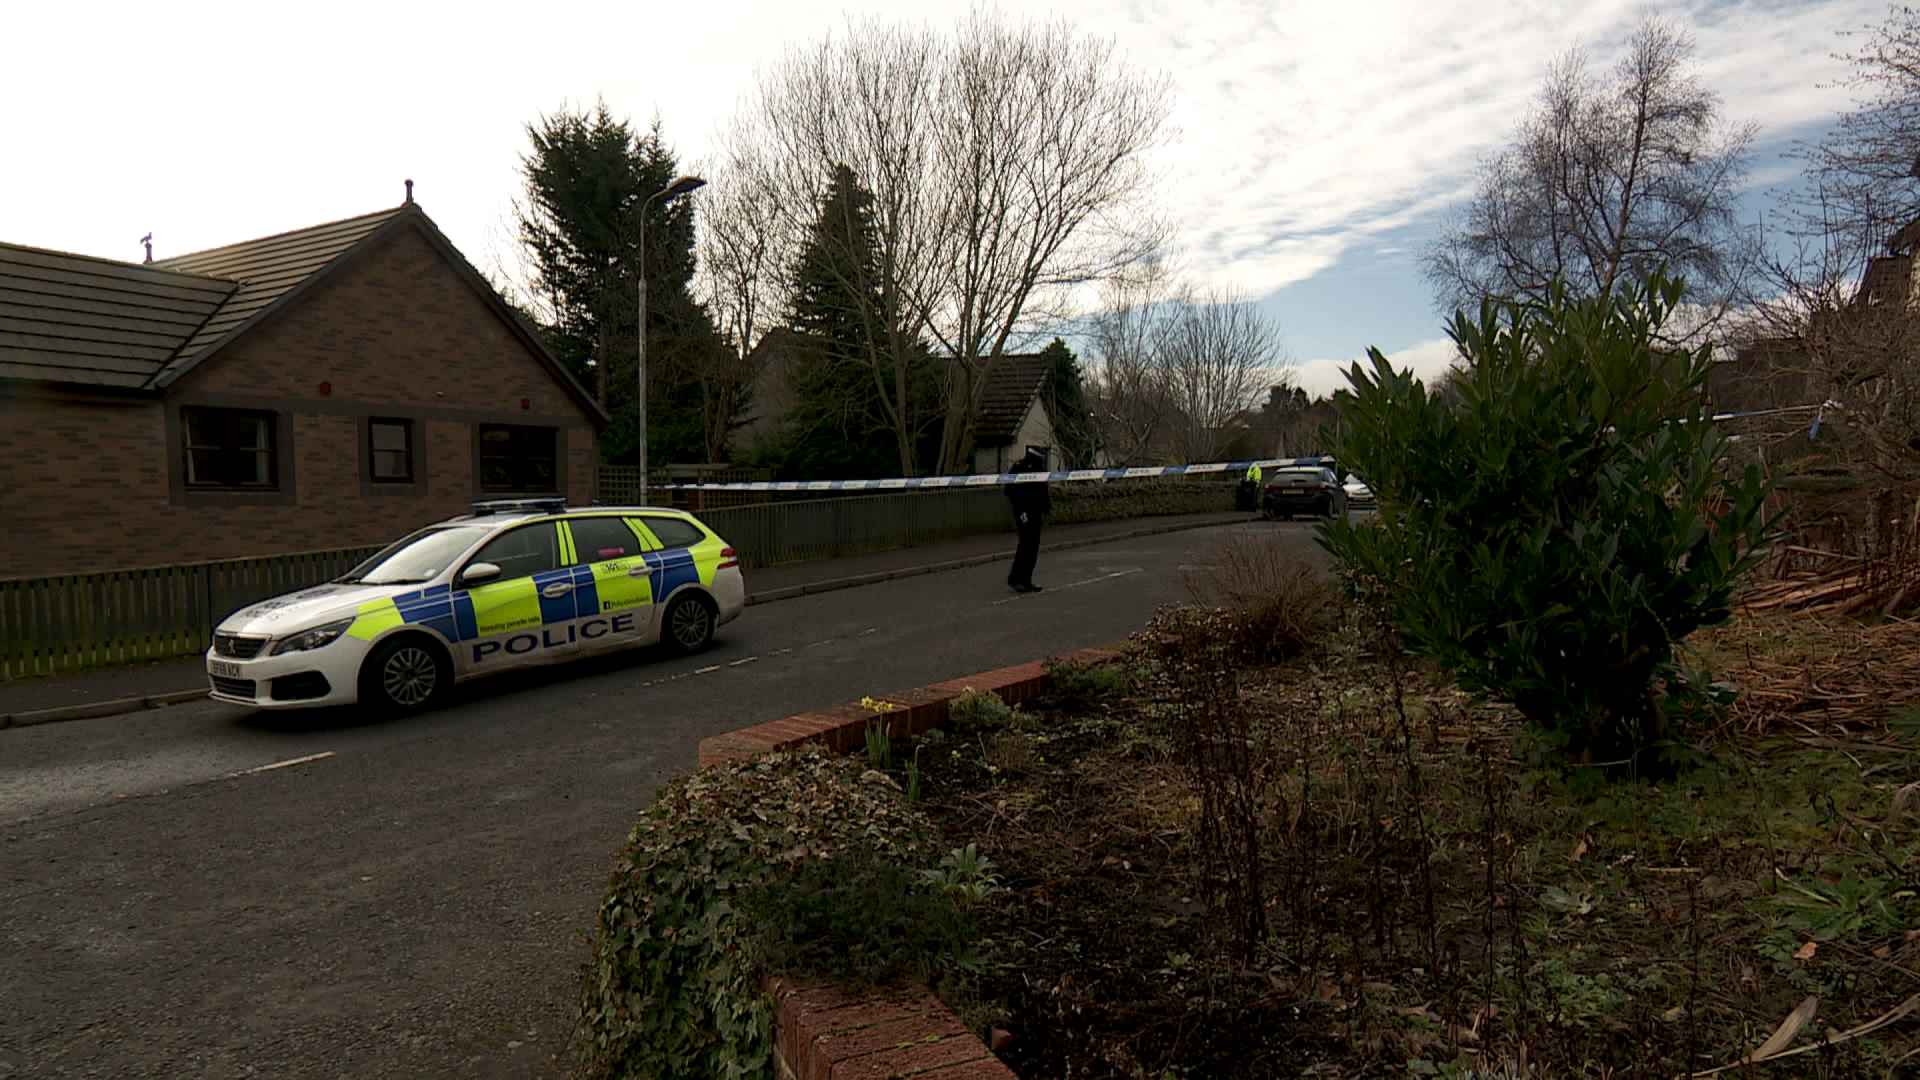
x: 1308, y: 128
x: 1320, y: 378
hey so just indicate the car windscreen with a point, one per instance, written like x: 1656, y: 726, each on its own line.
x: 419, y: 557
x: 1296, y: 474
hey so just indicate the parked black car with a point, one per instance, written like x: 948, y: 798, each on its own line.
x: 1301, y: 490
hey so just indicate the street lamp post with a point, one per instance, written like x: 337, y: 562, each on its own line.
x: 679, y: 185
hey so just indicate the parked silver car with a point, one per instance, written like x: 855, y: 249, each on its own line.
x: 1359, y: 495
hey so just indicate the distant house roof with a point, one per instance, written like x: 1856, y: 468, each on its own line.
x: 1886, y: 281
x: 80, y: 320
x: 1010, y: 391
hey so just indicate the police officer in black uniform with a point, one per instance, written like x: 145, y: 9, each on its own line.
x: 1030, y: 503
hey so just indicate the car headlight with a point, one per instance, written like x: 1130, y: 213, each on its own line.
x: 311, y: 639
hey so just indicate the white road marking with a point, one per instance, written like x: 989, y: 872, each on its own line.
x: 706, y: 670
x: 748, y: 660
x: 280, y: 764
x: 1077, y: 584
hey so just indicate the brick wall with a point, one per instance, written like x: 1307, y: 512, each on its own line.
x: 823, y: 1033
x: 89, y: 481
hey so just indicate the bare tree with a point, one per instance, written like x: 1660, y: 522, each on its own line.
x: 1006, y: 165
x: 1863, y: 177
x: 1828, y: 330
x: 738, y: 281
x: 1605, y: 180
x: 1299, y: 431
x: 1218, y: 353
x: 1130, y: 393
x: 1043, y: 190
x: 1173, y: 374
x: 1839, y: 316
x: 863, y: 103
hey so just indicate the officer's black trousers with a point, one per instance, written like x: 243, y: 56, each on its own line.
x: 1028, y: 551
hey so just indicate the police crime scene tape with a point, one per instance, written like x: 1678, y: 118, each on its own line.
x: 908, y: 483
x: 911, y: 483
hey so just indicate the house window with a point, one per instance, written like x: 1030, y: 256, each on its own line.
x: 518, y: 459
x: 390, y: 451
x: 230, y: 448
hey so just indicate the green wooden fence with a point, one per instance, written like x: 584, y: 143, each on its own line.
x: 769, y: 534
x: 77, y: 621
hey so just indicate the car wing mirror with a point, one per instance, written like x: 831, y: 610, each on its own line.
x: 479, y: 573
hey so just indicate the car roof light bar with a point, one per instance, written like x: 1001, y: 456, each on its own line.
x: 509, y: 506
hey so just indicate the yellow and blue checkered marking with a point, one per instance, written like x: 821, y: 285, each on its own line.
x: 603, y: 589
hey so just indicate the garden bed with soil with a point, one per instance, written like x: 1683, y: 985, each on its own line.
x: 1339, y: 866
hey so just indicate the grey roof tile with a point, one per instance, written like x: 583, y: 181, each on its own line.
x: 1009, y: 391
x: 266, y: 270
x: 74, y: 318
x: 78, y: 319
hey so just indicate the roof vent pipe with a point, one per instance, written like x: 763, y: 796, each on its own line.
x: 409, y: 201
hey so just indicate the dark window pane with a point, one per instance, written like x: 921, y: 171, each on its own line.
x: 391, y: 450
x: 203, y: 466
x: 530, y: 549
x: 597, y: 539
x: 231, y: 448
x: 254, y: 433
x: 519, y: 459
x: 674, y: 532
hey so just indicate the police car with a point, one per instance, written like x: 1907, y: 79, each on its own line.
x: 514, y: 584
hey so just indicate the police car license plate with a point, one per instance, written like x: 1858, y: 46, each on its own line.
x: 223, y: 669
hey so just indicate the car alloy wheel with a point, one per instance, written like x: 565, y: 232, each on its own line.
x: 410, y: 676
x: 690, y: 624
x: 405, y: 674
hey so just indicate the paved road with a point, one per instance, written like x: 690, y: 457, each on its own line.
x: 410, y: 899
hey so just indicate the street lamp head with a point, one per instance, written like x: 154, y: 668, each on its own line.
x: 680, y: 185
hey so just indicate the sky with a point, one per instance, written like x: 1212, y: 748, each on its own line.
x: 1320, y: 144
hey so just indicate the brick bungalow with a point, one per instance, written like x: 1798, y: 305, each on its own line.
x: 329, y: 387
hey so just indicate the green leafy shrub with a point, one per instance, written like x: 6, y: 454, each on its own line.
x: 670, y: 989
x: 1086, y: 682
x: 1552, y: 529
x: 972, y: 708
x: 964, y: 876
x: 863, y: 918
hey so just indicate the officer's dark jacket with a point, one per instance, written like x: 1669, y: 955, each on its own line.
x: 1028, y: 498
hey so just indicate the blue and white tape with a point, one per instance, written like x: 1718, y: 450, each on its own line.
x: 909, y: 483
